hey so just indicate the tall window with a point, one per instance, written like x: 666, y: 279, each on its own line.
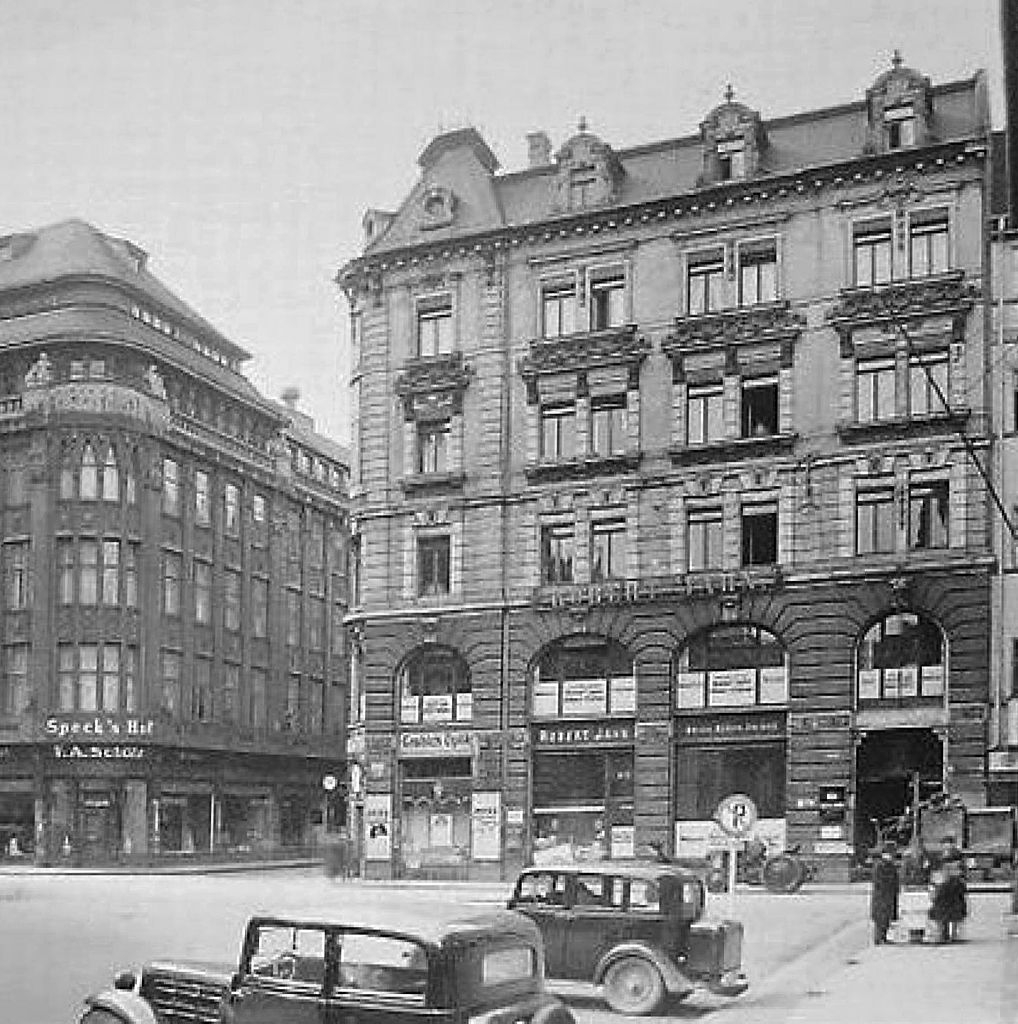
x: 88, y: 677
x: 110, y: 677
x: 88, y: 572
x: 433, y: 565
x: 316, y: 623
x: 201, y: 691
x: 169, y: 697
x: 88, y: 482
x: 172, y: 565
x: 111, y: 572
x: 231, y: 599
x: 434, y: 330
x: 608, y: 422
x: 759, y: 534
x: 928, y: 515
x: 433, y: 447
x: 706, y: 539
x: 759, y: 408
x: 903, y: 656
x: 293, y: 618
x: 705, y: 416
x: 608, y: 549
x: 874, y: 521
x: 259, y: 607
x: 231, y: 509
x: 874, y: 390
x: 65, y: 571
x: 202, y: 592
x: 131, y: 575
x: 66, y: 675
x: 557, y: 553
x: 871, y: 246
x: 231, y: 692
x: 16, y: 492
x: 202, y: 499
x: 17, y: 575
x: 171, y: 487
x: 130, y: 679
x: 705, y: 283
x: 758, y: 274
x: 558, y: 432
x: 558, y: 311
x: 111, y: 476
x: 928, y: 249
x: 256, y: 708
x: 927, y: 374
x: 66, y: 479
x: 607, y: 303
x: 14, y: 693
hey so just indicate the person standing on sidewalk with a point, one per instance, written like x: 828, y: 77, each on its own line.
x: 949, y: 906
x: 884, y: 894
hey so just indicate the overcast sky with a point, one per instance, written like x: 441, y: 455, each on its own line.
x: 239, y: 141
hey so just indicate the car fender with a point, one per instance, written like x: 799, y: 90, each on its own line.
x: 676, y: 983
x: 126, y: 1006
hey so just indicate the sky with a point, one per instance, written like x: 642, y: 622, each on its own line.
x: 239, y: 142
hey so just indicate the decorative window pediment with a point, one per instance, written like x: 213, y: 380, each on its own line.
x: 899, y: 109
x: 432, y: 388
x: 733, y: 140
x: 588, y: 172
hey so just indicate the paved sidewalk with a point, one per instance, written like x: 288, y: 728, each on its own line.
x: 974, y: 981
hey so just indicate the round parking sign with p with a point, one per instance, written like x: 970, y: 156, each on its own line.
x: 736, y: 814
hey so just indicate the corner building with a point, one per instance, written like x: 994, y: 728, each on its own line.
x: 662, y: 489
x: 174, y: 575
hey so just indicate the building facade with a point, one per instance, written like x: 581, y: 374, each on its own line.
x: 664, y: 486
x: 174, y: 575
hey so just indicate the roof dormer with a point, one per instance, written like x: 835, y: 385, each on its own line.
x: 733, y: 139
x: 588, y: 173
x: 899, y: 109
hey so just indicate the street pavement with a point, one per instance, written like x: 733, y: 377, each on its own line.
x: 808, y: 956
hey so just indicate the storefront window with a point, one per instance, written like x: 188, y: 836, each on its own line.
x: 731, y: 666
x: 583, y: 677
x: 434, y: 687
x: 436, y: 819
x: 903, y: 657
x: 705, y: 775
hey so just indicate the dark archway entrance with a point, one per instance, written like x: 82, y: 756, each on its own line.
x: 891, y: 764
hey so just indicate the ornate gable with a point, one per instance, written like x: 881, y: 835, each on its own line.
x: 588, y: 173
x: 899, y: 109
x: 733, y: 139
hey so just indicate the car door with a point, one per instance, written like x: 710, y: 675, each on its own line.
x: 597, y: 923
x: 282, y: 976
x: 541, y: 895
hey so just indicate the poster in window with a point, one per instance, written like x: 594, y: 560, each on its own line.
x: 689, y: 688
x: 378, y: 826
x: 774, y: 685
x: 933, y: 680
x: 623, y: 695
x: 869, y: 684
x: 892, y: 681
x: 436, y: 707
x: 410, y: 709
x: 908, y: 681
x: 486, y: 825
x: 545, y: 700
x: 464, y: 706
x: 732, y: 688
x: 582, y: 698
x: 440, y: 829
x: 622, y: 839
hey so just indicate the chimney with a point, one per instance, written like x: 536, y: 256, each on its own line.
x: 290, y: 397
x: 538, y: 149
x: 1009, y: 38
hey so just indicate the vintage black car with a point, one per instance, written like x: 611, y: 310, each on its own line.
x: 440, y: 967
x: 635, y: 928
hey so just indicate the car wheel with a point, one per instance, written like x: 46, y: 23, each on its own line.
x: 633, y: 985
x: 96, y: 1016
x: 554, y: 1014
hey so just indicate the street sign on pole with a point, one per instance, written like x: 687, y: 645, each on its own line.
x: 736, y: 814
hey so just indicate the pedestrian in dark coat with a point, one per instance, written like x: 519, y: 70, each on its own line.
x: 884, y: 894
x: 949, y: 906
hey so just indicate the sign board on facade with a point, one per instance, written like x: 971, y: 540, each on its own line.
x: 486, y: 826
x: 98, y: 752
x: 438, y: 743
x: 736, y: 814
x: 623, y: 841
x: 731, y: 727
x: 731, y: 688
x: 514, y: 816
x: 92, y: 728
x: 831, y: 847
x: 583, y: 734
x: 378, y: 826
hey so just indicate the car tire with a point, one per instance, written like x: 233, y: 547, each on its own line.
x: 554, y: 1014
x: 633, y: 985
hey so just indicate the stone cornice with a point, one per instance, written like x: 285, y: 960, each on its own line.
x: 944, y: 295
x: 620, y: 346
x: 361, y: 274
x: 433, y: 373
x: 773, y: 322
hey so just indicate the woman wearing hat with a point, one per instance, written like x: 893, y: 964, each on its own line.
x: 884, y: 894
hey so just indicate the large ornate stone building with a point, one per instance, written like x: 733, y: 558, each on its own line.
x: 173, y: 559
x: 664, y: 486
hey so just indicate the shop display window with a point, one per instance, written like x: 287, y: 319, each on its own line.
x: 903, y: 657
x: 583, y: 677
x: 731, y: 666
x: 705, y: 775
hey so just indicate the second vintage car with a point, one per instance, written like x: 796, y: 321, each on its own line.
x: 637, y: 929
x: 438, y: 966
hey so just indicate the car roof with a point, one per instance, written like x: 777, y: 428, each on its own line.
x: 433, y: 924
x: 645, y: 870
